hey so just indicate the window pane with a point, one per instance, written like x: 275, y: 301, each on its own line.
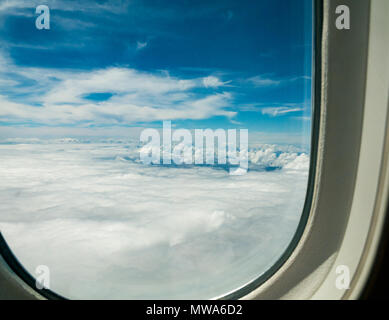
x: 110, y: 184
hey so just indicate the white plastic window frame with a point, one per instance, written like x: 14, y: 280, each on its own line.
x: 352, y: 177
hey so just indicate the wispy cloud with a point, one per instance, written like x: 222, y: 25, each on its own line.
x: 260, y: 81
x: 10, y: 4
x: 277, y: 109
x: 55, y: 97
x: 280, y: 111
x: 90, y: 5
x: 213, y: 82
x: 302, y: 118
x: 268, y: 81
x: 141, y: 45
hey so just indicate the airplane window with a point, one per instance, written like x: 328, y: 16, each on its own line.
x: 153, y: 149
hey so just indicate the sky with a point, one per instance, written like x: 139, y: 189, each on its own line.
x: 109, y: 226
x: 119, y: 64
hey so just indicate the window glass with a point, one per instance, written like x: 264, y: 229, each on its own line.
x: 153, y: 149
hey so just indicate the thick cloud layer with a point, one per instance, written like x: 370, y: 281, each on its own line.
x: 109, y: 227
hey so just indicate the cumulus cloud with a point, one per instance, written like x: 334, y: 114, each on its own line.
x: 55, y: 97
x: 109, y: 227
x: 212, y: 82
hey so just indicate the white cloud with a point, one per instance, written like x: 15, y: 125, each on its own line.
x: 280, y: 111
x: 137, y: 97
x: 141, y: 45
x: 260, y: 81
x: 7, y: 83
x: 9, y: 4
x: 109, y: 227
x: 212, y: 82
x: 114, y: 80
x: 91, y: 6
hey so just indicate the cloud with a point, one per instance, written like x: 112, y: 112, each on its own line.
x: 7, y: 83
x: 10, y: 4
x: 110, y: 227
x: 212, y: 82
x: 141, y: 45
x: 115, y: 80
x: 303, y: 118
x: 259, y: 81
x: 262, y: 81
x: 57, y: 97
x: 280, y: 111
x: 113, y: 6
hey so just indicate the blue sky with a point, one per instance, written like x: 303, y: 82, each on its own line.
x: 111, y: 68
x: 221, y: 63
